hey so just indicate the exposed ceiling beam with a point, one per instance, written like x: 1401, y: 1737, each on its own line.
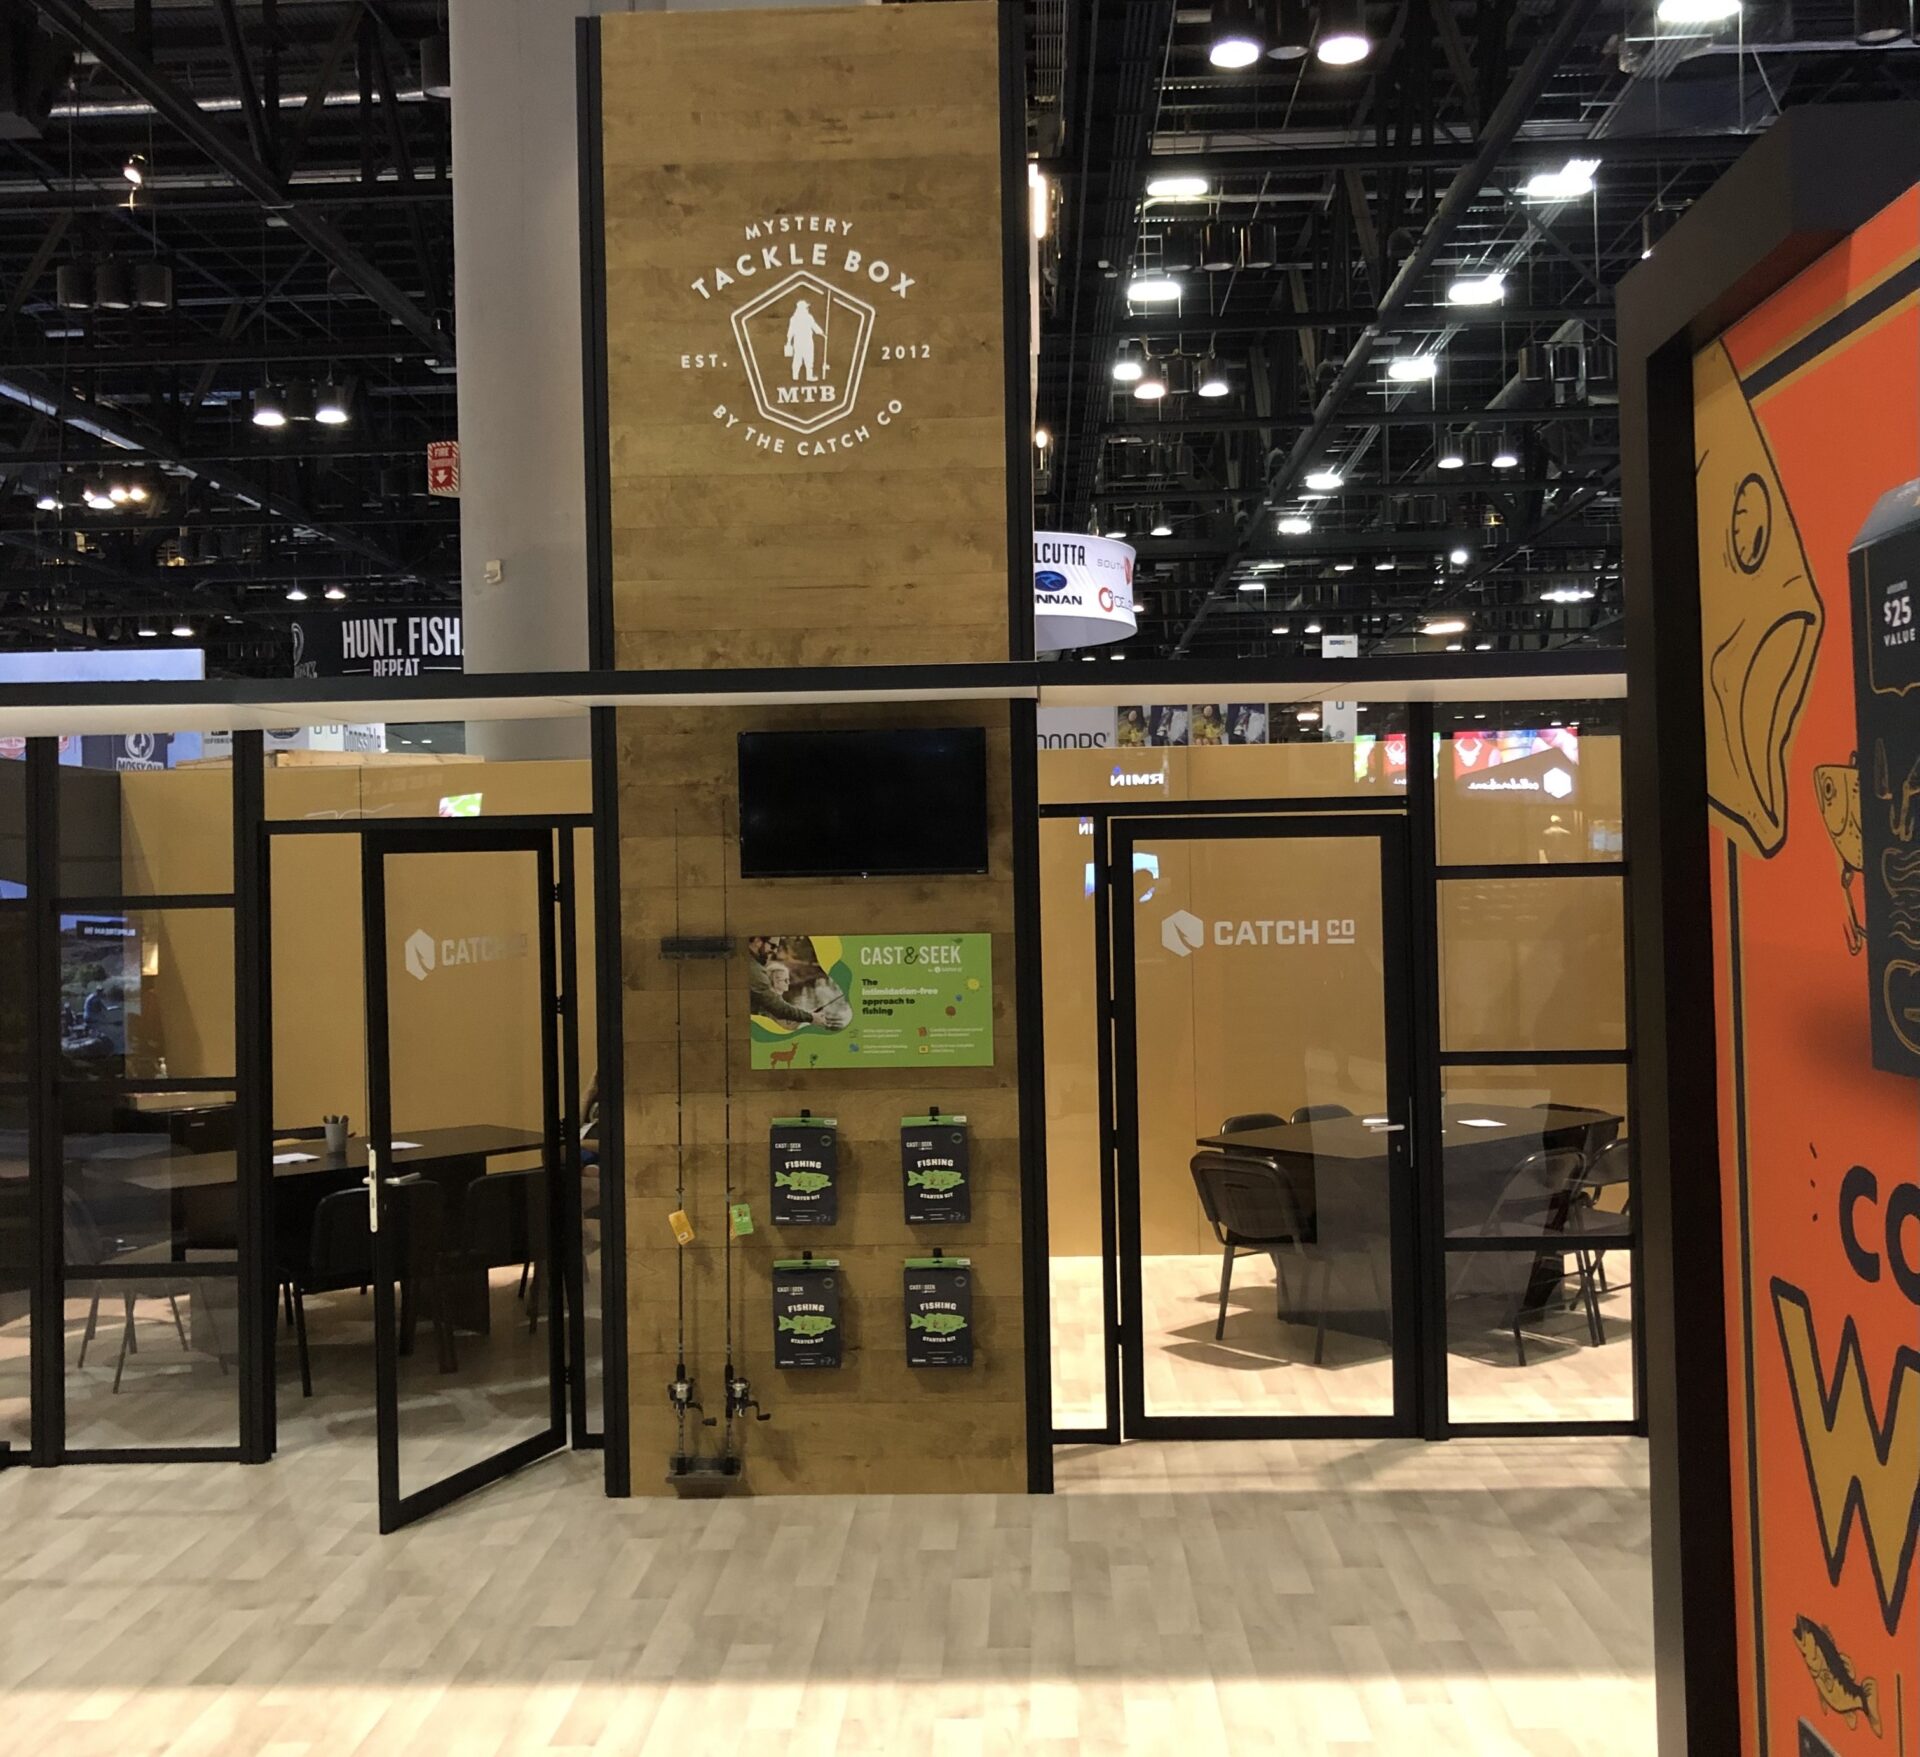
x: 199, y: 197
x: 1272, y: 158
x: 178, y: 109
x: 1360, y: 316
x: 209, y: 350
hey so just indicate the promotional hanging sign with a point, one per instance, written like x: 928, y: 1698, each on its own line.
x: 806, y: 1312
x: 819, y: 1000
x: 1082, y: 591
x: 934, y: 1170
x: 805, y: 1171
x: 939, y: 1312
x: 408, y: 643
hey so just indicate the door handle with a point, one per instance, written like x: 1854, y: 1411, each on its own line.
x: 373, y: 1187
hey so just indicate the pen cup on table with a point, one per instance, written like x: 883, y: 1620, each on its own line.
x: 336, y: 1134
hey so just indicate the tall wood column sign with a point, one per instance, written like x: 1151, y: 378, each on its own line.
x: 813, y: 252
x: 805, y: 350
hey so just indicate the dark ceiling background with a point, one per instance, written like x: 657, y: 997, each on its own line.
x: 297, y: 189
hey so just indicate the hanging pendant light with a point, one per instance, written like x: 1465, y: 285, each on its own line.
x: 1211, y: 381
x: 330, y: 405
x: 1344, y: 39
x: 1219, y: 247
x: 1238, y: 38
x: 153, y: 286
x: 113, y: 285
x: 73, y: 286
x: 1290, y: 31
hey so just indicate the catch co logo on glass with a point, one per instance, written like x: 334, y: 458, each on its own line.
x: 1183, y: 933
x: 809, y: 293
x: 423, y: 954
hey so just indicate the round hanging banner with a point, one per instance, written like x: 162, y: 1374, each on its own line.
x: 1082, y: 591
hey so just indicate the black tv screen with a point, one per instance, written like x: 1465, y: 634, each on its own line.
x: 847, y: 804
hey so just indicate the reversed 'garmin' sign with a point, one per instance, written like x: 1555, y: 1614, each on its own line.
x: 1184, y: 933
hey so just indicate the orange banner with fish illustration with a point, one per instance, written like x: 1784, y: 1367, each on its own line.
x: 1807, y: 430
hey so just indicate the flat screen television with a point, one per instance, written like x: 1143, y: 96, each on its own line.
x: 860, y: 804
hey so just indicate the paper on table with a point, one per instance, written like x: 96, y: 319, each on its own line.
x: 401, y: 1146
x: 1480, y: 1122
x: 294, y: 1158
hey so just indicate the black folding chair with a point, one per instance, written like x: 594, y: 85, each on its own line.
x: 1254, y: 1206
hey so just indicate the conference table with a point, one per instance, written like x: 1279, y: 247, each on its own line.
x: 1346, y: 1163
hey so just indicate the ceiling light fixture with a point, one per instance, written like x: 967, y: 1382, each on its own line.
x: 183, y: 630
x: 1041, y: 439
x: 1129, y: 364
x: 268, y: 410
x: 1383, y: 567
x: 1343, y: 567
x: 1146, y: 289
x: 1177, y: 186
x: 1313, y: 628
x: 1453, y: 455
x: 1039, y: 200
x: 1324, y: 481
x: 1343, y: 33
x: 1444, y: 626
x: 1151, y: 386
x: 1280, y: 628
x: 135, y: 169
x: 334, y: 594
x: 1162, y: 526
x: 1697, y: 11
x: 1414, y: 369
x: 1237, y: 40
x: 1212, y: 379
x: 1295, y: 524
x: 330, y: 404
x: 1505, y: 457
x: 1573, y: 180
x: 1459, y: 556
x: 1292, y: 34
x: 296, y: 594
x: 1487, y: 289
x: 1878, y: 22
x: 147, y: 632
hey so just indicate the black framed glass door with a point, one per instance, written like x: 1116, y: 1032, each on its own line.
x: 468, y: 1181
x: 1263, y: 1142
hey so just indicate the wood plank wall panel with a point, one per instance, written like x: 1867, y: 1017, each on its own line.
x: 874, y: 1424
x: 890, y: 550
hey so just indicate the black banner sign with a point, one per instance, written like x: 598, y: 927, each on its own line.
x: 403, y: 643
x: 805, y: 1156
x: 933, y: 1169
x: 806, y: 1315
x: 939, y: 1315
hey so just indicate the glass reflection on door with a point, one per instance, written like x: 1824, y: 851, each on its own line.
x: 1267, y: 1152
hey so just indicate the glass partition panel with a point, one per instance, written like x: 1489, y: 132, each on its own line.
x: 146, y: 994
x: 1532, y: 963
x: 1072, y: 1020
x: 1539, y: 1247
x: 1265, y: 1155
x: 16, y: 1278
x: 148, y: 1217
x: 1524, y: 784
x: 145, y: 815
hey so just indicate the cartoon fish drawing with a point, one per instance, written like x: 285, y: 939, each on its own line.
x: 940, y: 1178
x: 807, y: 1324
x: 1838, y: 785
x: 1840, y: 1692
x: 936, y: 1323
x: 806, y: 1182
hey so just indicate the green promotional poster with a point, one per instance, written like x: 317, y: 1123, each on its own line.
x: 860, y: 1000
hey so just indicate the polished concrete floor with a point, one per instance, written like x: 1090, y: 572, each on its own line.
x: 1484, y: 1597
x: 1264, y: 1363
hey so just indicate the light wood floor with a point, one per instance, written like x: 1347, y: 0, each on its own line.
x: 1264, y: 1364
x: 1484, y: 1597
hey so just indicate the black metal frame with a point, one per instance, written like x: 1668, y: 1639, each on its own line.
x: 1778, y: 210
x: 380, y: 844
x: 1389, y: 829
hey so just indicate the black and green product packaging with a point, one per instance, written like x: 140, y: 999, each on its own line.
x: 933, y: 1168
x: 804, y: 1154
x: 939, y: 1294
x: 806, y: 1313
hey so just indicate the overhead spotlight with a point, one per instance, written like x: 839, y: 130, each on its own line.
x: 1177, y: 186
x: 1039, y: 200
x: 1179, y: 369
x: 1414, y: 369
x: 48, y: 501
x: 1219, y: 246
x: 147, y: 632
x: 73, y: 286
x: 1252, y: 586
x: 1291, y: 33
x: 1211, y: 379
x: 436, y: 66
x: 1459, y: 556
x: 1324, y: 481
x: 1313, y: 628
x: 1295, y: 524
x: 1343, y: 33
x: 1151, y: 386
x: 1487, y: 289
x: 1876, y: 22
x: 1343, y: 567
x: 119, y: 495
x: 1237, y: 38
x: 135, y: 169
x: 1115, y: 533
x: 1145, y: 289
x: 1041, y: 439
x: 1383, y: 567
x: 1129, y: 364
x: 113, y: 285
x: 183, y: 630
x: 137, y: 493
x: 1308, y: 716
x: 1453, y: 455
x: 1506, y: 455
x: 1280, y: 628
x: 1573, y: 180
x: 330, y: 404
x: 296, y: 594
x: 1697, y: 11
x: 152, y: 286
x: 296, y: 400
x: 1444, y: 625
x: 268, y: 411
x: 1162, y: 525
x: 334, y: 594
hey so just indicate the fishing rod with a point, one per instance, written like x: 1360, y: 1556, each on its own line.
x: 739, y: 1393
x: 680, y: 1391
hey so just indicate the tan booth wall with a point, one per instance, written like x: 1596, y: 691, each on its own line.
x: 176, y: 829
x: 881, y: 539
x: 1525, y: 964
